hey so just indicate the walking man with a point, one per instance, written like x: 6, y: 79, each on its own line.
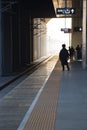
x: 64, y: 56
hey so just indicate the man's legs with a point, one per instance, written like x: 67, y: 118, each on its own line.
x: 67, y: 66
x: 63, y: 67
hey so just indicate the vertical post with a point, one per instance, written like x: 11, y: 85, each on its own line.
x: 65, y: 3
x: 65, y: 14
x: 39, y: 39
x: 84, y: 36
x: 0, y: 43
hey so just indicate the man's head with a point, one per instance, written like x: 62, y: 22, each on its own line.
x: 63, y: 45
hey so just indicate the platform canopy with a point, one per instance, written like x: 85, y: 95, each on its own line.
x: 45, y: 8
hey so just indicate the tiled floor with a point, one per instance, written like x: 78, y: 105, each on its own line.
x: 72, y: 100
x: 48, y: 99
x: 16, y: 99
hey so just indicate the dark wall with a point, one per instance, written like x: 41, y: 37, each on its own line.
x: 6, y: 43
x: 17, y: 39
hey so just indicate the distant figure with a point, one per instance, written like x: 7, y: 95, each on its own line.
x: 71, y: 53
x: 78, y: 50
x: 64, y: 56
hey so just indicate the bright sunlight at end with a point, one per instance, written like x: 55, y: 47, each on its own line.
x: 56, y: 37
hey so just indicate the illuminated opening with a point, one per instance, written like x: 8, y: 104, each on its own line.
x: 55, y: 36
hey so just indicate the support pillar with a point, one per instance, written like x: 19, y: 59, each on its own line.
x: 39, y: 39
x: 84, y: 44
x: 0, y: 43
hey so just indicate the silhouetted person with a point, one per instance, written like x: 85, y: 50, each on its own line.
x: 64, y: 56
x: 71, y: 53
x: 78, y: 49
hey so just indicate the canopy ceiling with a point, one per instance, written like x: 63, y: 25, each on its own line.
x: 45, y: 8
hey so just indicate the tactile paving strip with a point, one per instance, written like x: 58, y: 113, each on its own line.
x: 44, y: 113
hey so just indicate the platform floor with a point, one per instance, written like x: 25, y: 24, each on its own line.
x: 48, y: 99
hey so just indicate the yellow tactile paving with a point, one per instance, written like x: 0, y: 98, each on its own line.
x: 44, y: 113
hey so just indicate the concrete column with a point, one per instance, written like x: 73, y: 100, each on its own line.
x: 39, y: 39
x: 0, y: 43
x: 84, y: 49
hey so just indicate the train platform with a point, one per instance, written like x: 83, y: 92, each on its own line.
x: 48, y: 99
x: 5, y: 80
